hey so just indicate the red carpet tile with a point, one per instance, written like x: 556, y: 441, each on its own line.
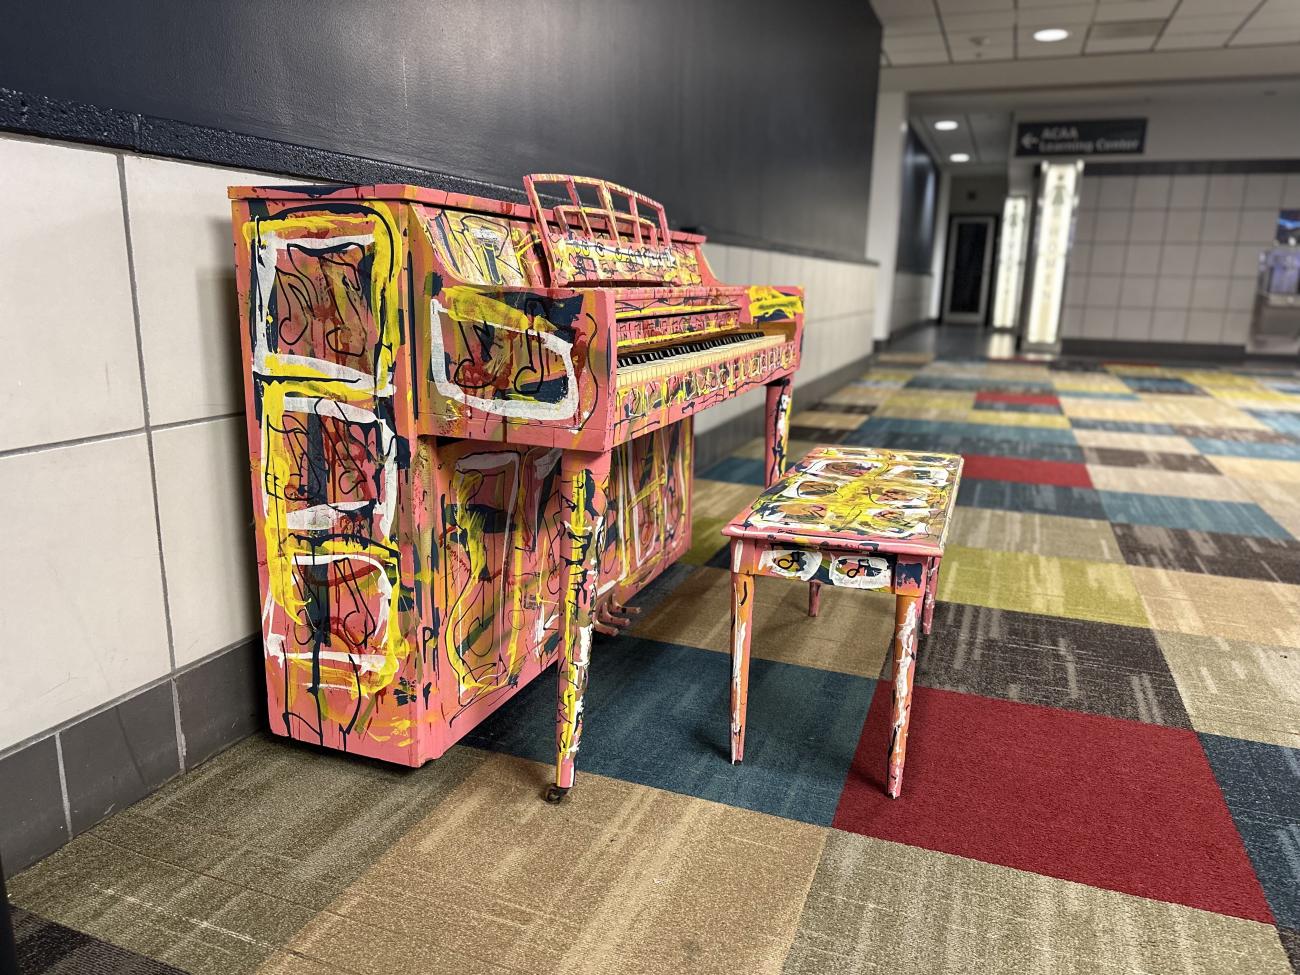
x: 1061, y: 473
x: 1116, y: 804
x: 1017, y: 399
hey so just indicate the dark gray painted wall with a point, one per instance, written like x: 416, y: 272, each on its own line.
x: 920, y: 198
x: 750, y: 119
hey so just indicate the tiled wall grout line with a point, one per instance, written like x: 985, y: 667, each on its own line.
x: 113, y: 435
x: 63, y: 783
x: 176, y: 424
x: 148, y: 436
x: 73, y: 442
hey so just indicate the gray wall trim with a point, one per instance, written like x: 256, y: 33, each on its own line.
x: 1191, y: 167
x: 906, y: 330
x: 1159, y: 351
x: 67, y: 780
x: 713, y: 445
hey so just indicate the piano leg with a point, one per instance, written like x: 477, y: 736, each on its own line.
x: 777, y: 431
x: 585, y: 480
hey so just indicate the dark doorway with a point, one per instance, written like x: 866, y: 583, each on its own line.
x: 969, y: 263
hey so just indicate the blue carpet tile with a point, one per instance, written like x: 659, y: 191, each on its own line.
x: 1048, y: 408
x: 1261, y: 784
x: 1121, y: 426
x: 1194, y: 514
x: 1161, y: 384
x: 938, y: 428
x: 1095, y: 394
x: 1047, y: 499
x: 973, y: 384
x: 951, y: 443
x: 657, y: 714
x: 738, y: 470
x: 1260, y: 451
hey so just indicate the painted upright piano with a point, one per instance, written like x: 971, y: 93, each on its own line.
x: 470, y: 431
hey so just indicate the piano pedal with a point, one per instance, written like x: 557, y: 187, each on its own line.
x: 609, y: 617
x: 555, y: 794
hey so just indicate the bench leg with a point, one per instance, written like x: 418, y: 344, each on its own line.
x: 906, y: 620
x: 742, y: 616
x: 585, y: 479
x: 931, y: 593
x: 814, y: 597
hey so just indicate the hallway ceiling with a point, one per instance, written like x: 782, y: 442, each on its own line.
x: 984, y: 118
x: 936, y: 32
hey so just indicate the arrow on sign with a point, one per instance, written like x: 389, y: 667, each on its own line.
x: 1029, y: 140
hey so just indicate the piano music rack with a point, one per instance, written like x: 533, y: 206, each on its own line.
x: 595, y: 240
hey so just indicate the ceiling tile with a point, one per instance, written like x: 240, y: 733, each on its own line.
x: 1273, y: 16
x: 1135, y: 10
x: 913, y: 42
x: 974, y: 6
x: 987, y: 53
x: 919, y: 57
x: 992, y: 38
x: 1176, y: 42
x: 912, y: 25
x: 1182, y: 23
x: 1068, y: 17
x: 1070, y: 47
x: 1109, y: 45
x: 1252, y: 38
x: 1198, y: 8
x: 979, y: 23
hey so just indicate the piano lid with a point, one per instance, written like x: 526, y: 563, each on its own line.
x: 605, y: 234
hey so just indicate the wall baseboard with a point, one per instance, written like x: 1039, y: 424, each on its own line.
x: 61, y: 785
x: 713, y: 445
x: 906, y: 330
x: 1160, y: 351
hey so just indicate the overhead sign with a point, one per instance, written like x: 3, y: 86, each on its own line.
x: 1086, y: 137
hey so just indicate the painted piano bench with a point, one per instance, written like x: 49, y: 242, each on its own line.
x: 859, y: 518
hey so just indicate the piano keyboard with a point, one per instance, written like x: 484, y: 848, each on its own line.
x: 639, y: 365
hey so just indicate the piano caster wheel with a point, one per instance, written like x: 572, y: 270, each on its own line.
x: 555, y: 795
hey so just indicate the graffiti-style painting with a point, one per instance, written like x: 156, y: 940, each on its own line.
x: 856, y: 518
x: 462, y: 461
x: 862, y: 497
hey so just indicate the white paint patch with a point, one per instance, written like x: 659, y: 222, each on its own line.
x: 515, y: 409
x: 792, y: 563
x: 860, y: 572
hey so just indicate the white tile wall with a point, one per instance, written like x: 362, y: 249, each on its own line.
x: 180, y: 232
x: 81, y: 607
x: 207, y: 534
x: 911, y: 299
x: 1183, y: 267
x: 66, y: 323
x: 839, y: 310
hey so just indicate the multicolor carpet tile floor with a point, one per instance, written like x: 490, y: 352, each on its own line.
x: 1103, y: 772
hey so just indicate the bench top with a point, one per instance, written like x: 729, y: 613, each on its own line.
x: 858, y: 499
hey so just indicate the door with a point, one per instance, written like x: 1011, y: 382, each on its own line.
x: 970, y: 263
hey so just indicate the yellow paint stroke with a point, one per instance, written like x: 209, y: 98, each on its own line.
x: 765, y: 302
x: 284, y: 546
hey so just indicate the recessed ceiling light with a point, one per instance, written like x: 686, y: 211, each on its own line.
x: 1049, y: 34
x: 945, y: 125
x: 959, y: 157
